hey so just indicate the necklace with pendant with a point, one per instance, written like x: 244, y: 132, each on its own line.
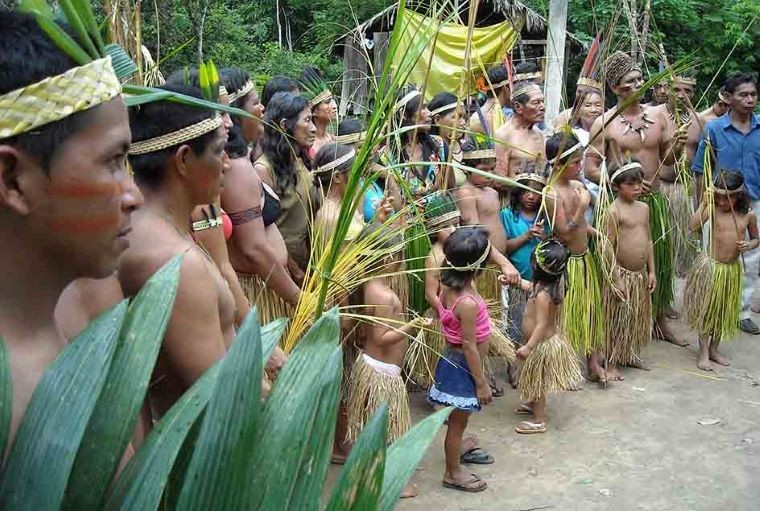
x: 645, y: 123
x: 683, y: 118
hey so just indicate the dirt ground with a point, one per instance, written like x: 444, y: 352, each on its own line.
x: 674, y: 438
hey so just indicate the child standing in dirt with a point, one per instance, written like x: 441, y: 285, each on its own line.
x: 550, y: 362
x: 713, y: 296
x: 460, y: 380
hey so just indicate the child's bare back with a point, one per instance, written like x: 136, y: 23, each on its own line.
x: 630, y: 231
x: 383, y: 304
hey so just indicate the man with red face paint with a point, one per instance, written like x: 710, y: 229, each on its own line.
x: 639, y: 132
x: 519, y: 143
x: 65, y: 194
x: 179, y: 161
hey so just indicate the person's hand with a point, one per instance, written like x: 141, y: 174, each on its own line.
x: 743, y: 246
x: 537, y: 230
x: 484, y: 393
x: 651, y: 282
x: 585, y: 198
x: 524, y: 352
x: 275, y: 363
x: 383, y: 210
x: 646, y: 185
x: 680, y: 137
x: 423, y: 322
x: 509, y: 276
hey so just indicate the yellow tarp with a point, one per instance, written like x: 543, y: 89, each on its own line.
x: 489, y: 46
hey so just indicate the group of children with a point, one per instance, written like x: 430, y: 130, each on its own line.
x: 582, y: 289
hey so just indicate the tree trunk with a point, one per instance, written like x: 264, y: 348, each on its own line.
x: 555, y: 58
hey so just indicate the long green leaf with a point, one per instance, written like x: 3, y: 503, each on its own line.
x: 140, y: 485
x: 118, y: 406
x: 304, y: 398
x: 123, y: 65
x: 72, y: 18
x: 216, y: 476
x: 147, y: 98
x: 270, y: 336
x: 6, y: 396
x: 40, y: 7
x: 84, y: 9
x: 358, y: 487
x: 63, y: 40
x: 404, y: 456
x: 186, y: 100
x: 50, y: 434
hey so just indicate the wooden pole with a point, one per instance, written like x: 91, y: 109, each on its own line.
x: 555, y: 58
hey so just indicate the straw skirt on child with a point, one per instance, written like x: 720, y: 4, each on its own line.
x: 628, y: 318
x: 713, y: 298
x: 551, y: 367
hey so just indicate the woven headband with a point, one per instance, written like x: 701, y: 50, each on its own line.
x: 352, y: 138
x: 588, y: 82
x: 336, y: 163
x: 248, y: 87
x: 502, y: 83
x: 527, y: 76
x: 524, y: 90
x: 320, y: 98
x: 185, y: 134
x: 688, y: 80
x: 567, y: 153
x: 624, y: 168
x: 547, y: 270
x: 441, y: 109
x: 723, y: 97
x: 223, y: 91
x: 57, y: 97
x: 406, y: 99
x: 532, y: 176
x: 722, y: 191
x: 476, y: 264
x: 437, y: 220
x: 479, y: 154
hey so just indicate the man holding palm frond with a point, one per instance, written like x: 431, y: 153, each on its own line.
x: 66, y: 197
x: 631, y: 128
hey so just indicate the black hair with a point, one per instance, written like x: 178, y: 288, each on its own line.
x: 497, y: 74
x: 404, y: 118
x: 636, y: 173
x: 151, y: 120
x: 526, y: 67
x: 329, y: 153
x: 350, y: 126
x: 558, y: 143
x: 463, y: 248
x: 440, y: 100
x: 236, y: 146
x: 277, y: 84
x: 730, y: 180
x: 517, y: 191
x: 554, y: 256
x: 734, y: 81
x: 29, y: 56
x: 179, y: 77
x: 234, y: 79
x: 280, y: 148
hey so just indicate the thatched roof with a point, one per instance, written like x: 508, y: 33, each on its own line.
x: 518, y: 13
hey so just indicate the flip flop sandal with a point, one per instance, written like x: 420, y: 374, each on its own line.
x: 530, y: 428
x: 496, y: 391
x: 476, y: 456
x: 523, y: 410
x: 467, y: 487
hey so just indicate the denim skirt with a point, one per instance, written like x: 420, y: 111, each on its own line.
x: 453, y: 384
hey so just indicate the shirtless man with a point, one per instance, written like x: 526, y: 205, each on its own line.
x: 567, y: 205
x: 65, y: 198
x: 660, y: 94
x: 718, y: 109
x: 185, y: 171
x: 519, y: 142
x: 640, y: 132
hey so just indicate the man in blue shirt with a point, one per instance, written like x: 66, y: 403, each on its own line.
x: 734, y: 140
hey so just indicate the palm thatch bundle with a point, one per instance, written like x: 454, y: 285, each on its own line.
x: 685, y: 245
x: 551, y: 367
x: 628, y: 318
x: 270, y: 305
x: 662, y: 238
x: 581, y: 315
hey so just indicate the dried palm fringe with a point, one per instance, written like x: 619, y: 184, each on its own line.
x: 551, y: 367
x: 417, y: 250
x: 489, y: 288
x: 627, y: 323
x: 713, y: 298
x: 368, y: 390
x: 659, y: 226
x: 399, y: 283
x: 269, y: 304
x: 685, y: 244
x: 581, y: 314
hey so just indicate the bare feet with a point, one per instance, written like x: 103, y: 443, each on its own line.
x: 409, y: 491
x: 596, y: 372
x: 703, y: 362
x: 613, y: 374
x: 671, y: 313
x: 639, y: 364
x: 662, y: 331
x: 718, y: 358
x: 464, y: 482
x: 512, y: 375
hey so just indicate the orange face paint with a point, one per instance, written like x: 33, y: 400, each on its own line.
x: 82, y: 190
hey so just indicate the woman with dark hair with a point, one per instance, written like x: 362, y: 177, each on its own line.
x: 447, y: 120
x: 323, y: 107
x: 284, y: 165
x: 277, y: 84
x: 242, y: 94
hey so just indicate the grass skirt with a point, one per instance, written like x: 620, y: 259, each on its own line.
x: 417, y: 250
x: 399, y: 283
x: 581, y: 315
x: 424, y: 352
x: 628, y: 323
x: 518, y: 298
x: 269, y: 304
x: 454, y: 385
x: 713, y: 298
x: 551, y: 367
x: 660, y: 229
x: 368, y: 390
x: 685, y: 245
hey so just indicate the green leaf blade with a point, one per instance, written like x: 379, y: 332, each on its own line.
x: 118, y: 407
x: 6, y: 396
x: 361, y: 480
x: 72, y: 18
x: 50, y: 434
x: 123, y: 65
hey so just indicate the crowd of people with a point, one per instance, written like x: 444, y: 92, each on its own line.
x: 566, y: 239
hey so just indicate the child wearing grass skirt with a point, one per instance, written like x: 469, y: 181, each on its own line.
x: 713, y: 296
x: 460, y: 380
x: 550, y: 362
